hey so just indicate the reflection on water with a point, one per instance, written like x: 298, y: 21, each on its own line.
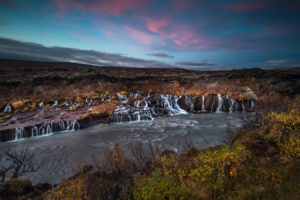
x: 65, y: 150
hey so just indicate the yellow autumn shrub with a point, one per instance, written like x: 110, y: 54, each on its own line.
x: 213, y: 166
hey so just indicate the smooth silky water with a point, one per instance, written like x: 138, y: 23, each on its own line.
x: 62, y: 152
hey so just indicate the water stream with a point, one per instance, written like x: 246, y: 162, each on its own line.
x: 65, y: 150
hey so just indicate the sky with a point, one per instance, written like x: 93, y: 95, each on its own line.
x: 193, y: 34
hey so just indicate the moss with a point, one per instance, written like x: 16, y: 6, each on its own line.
x: 79, y: 99
x: 32, y: 106
x: 47, y: 106
x: 114, y: 97
x: 101, y: 111
x: 19, y: 104
x: 123, y: 92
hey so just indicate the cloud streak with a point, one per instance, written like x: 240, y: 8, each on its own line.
x: 161, y: 55
x: 280, y: 64
x: 12, y: 49
x: 196, y: 64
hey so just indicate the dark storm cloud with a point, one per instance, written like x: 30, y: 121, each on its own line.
x: 12, y: 49
x: 280, y: 64
x: 161, y: 55
x: 206, y: 66
x: 196, y: 64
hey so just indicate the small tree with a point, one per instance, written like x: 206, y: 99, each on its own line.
x: 17, y: 162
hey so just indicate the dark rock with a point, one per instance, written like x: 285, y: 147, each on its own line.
x: 168, y: 153
x: 43, y: 187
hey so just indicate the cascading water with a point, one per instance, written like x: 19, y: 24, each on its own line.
x: 42, y: 130
x: 7, y: 108
x: 62, y: 125
x: 203, y: 103
x: 251, y: 105
x: 177, y: 107
x: 19, y: 133
x: 122, y: 98
x: 49, y: 129
x: 220, y: 103
x: 55, y: 104
x: 34, y: 131
x: 148, y: 108
x: 41, y: 105
x: 46, y: 129
x: 231, y: 104
x: 71, y: 125
x: 134, y: 95
x: 243, y: 106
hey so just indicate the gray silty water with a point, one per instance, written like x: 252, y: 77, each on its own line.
x: 63, y: 151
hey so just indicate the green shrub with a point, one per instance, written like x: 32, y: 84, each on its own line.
x: 158, y: 187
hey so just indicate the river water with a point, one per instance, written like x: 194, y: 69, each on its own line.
x: 61, y: 152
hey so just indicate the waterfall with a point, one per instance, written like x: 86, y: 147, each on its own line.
x: 138, y: 115
x: 203, y: 103
x: 42, y: 130
x: 46, y: 129
x: 172, y: 106
x: 231, y: 103
x: 19, y: 133
x: 62, y: 125
x: 49, y: 129
x: 41, y: 105
x: 220, y: 103
x: 148, y: 111
x: 177, y: 107
x: 166, y: 103
x: 55, y: 104
x: 122, y: 98
x: 252, y: 105
x: 243, y: 106
x: 71, y: 125
x: 189, y: 102
x: 7, y: 108
x: 148, y: 108
x: 34, y: 131
x: 134, y: 95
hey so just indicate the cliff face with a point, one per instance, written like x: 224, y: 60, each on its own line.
x: 68, y: 96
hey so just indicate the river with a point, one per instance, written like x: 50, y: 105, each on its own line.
x: 61, y: 152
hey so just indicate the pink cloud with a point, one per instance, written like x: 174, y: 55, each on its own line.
x: 113, y: 7
x: 156, y: 25
x: 139, y: 35
x: 182, y: 36
x: 249, y: 6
